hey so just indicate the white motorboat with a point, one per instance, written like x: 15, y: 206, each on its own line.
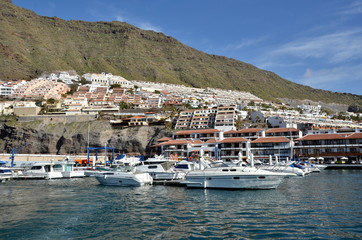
x: 5, y: 174
x: 67, y: 169
x: 233, y: 177
x: 292, y: 169
x: 160, y: 169
x: 186, y: 166
x: 127, y: 161
x: 41, y: 170
x: 320, y: 166
x: 124, y: 177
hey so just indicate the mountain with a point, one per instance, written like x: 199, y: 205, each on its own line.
x: 31, y: 44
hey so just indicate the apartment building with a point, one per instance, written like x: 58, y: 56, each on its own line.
x: 331, y: 147
x: 234, y: 148
x: 225, y: 118
x: 184, y: 119
x: 7, y: 88
x: 107, y: 79
x: 203, y: 118
x: 263, y: 147
x: 44, y: 89
x: 202, y: 134
x: 290, y: 133
x: 248, y: 133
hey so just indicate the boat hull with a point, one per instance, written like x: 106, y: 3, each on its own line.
x: 234, y: 178
x: 234, y: 182
x: 124, y: 180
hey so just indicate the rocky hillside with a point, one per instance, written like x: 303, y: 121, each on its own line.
x: 73, y: 138
x: 31, y: 44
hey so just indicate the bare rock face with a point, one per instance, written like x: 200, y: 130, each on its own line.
x: 75, y: 137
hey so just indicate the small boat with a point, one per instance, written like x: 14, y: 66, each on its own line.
x: 41, y: 170
x: 5, y: 174
x: 127, y: 160
x: 292, y: 169
x: 233, y: 177
x: 186, y: 166
x: 124, y: 177
x: 67, y: 169
x: 160, y: 169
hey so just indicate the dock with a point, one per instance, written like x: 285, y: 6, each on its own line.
x: 175, y: 183
x: 343, y: 166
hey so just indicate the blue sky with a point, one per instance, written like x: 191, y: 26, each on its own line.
x: 312, y: 42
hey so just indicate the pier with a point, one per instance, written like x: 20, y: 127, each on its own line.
x: 343, y: 166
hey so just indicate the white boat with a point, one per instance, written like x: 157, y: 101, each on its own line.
x: 67, y: 169
x: 232, y: 177
x: 160, y: 169
x: 127, y: 161
x: 292, y: 169
x: 41, y: 170
x: 5, y: 174
x: 186, y: 166
x: 124, y: 177
x: 320, y: 166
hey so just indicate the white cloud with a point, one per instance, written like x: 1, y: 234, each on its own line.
x: 149, y: 26
x: 353, y: 9
x: 334, y: 48
x: 120, y: 18
x: 245, y: 43
x: 138, y: 23
x: 347, y: 76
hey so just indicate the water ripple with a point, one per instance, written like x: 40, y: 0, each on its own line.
x: 319, y: 206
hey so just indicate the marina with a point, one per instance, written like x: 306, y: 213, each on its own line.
x: 319, y: 206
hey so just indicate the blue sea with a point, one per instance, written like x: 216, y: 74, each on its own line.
x: 324, y: 205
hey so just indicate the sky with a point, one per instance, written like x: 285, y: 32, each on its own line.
x: 317, y: 43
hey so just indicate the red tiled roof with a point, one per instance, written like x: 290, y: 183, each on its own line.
x: 321, y: 137
x: 163, y: 139
x: 187, y: 132
x: 233, y: 140
x: 271, y: 140
x: 249, y: 130
x: 355, y: 135
x: 181, y: 142
x: 277, y: 130
x: 212, y: 141
x: 230, y: 132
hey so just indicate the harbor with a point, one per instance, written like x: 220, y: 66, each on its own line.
x: 319, y: 206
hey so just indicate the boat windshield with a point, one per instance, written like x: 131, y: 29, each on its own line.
x: 218, y: 164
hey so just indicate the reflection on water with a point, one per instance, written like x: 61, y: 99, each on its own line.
x: 319, y: 206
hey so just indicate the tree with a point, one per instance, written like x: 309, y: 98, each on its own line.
x: 83, y: 81
x: 124, y: 105
x: 116, y: 85
x: 51, y: 101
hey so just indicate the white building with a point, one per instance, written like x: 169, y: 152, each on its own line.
x: 107, y: 79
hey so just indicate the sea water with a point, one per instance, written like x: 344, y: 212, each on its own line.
x: 324, y: 205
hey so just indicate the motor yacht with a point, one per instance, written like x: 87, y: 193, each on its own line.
x: 124, y: 177
x: 233, y: 177
x: 161, y: 169
x: 41, y: 170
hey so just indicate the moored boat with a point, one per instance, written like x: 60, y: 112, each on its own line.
x: 234, y: 177
x: 124, y: 177
x: 161, y: 169
x: 41, y: 170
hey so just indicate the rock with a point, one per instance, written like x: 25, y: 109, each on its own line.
x: 73, y: 138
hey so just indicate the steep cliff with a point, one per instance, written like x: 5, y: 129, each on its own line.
x: 73, y: 138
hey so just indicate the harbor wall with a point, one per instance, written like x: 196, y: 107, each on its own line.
x: 30, y: 158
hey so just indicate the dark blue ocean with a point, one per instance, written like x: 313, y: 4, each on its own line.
x: 324, y: 205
